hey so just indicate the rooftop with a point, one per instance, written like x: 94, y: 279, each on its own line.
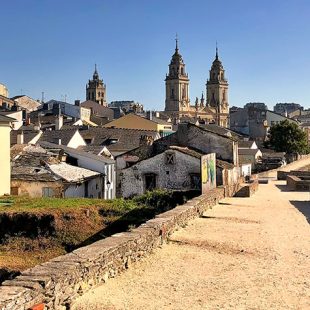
x: 72, y: 173
x: 116, y: 139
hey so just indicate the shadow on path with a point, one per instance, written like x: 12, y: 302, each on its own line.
x: 283, y: 187
x: 303, y: 207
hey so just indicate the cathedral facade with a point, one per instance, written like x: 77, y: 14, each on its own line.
x: 177, y: 103
x: 96, y: 89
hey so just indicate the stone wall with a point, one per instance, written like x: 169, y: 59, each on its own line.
x: 248, y: 190
x: 281, y: 175
x: 58, y: 282
x: 294, y: 183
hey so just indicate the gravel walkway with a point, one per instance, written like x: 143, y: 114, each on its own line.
x: 245, y: 253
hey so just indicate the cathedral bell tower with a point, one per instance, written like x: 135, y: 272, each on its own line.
x: 96, y: 89
x: 217, y: 92
x: 177, y: 84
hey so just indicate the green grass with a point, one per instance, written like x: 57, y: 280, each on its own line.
x: 74, y: 222
x: 26, y: 204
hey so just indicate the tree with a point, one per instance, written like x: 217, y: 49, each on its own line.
x: 288, y: 137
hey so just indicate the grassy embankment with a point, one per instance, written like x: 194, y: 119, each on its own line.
x: 33, y: 230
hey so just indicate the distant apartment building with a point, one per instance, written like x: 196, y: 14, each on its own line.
x: 4, y: 90
x: 255, y: 122
x: 288, y: 109
x: 73, y: 110
x: 128, y: 106
x: 256, y: 105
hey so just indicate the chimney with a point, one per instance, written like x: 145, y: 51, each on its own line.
x: 77, y: 103
x: 146, y: 140
x: 59, y: 121
x: 149, y: 115
x: 182, y: 134
x: 20, y: 138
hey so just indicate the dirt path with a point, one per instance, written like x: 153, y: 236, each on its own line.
x: 245, y: 253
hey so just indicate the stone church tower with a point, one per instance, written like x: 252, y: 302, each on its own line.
x: 217, y: 92
x: 96, y: 89
x: 177, y: 84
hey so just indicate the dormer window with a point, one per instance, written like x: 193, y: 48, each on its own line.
x: 110, y: 141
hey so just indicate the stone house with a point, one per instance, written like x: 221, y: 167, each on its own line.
x: 176, y: 168
x: 202, y: 139
x: 102, y: 163
x: 5, y: 166
x: 196, y: 138
x: 40, y: 173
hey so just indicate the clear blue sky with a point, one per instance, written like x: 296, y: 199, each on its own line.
x: 52, y: 45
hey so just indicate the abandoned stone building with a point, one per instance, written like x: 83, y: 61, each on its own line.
x: 40, y: 173
x: 98, y: 162
x: 176, y: 168
x: 192, y: 138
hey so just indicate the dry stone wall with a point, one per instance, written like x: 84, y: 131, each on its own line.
x: 58, y: 282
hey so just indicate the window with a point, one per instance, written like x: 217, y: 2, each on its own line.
x: 150, y: 181
x: 47, y: 192
x: 195, y: 181
x: 170, y: 158
x: 88, y: 141
x: 172, y: 94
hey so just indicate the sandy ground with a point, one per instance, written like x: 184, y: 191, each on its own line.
x: 245, y: 253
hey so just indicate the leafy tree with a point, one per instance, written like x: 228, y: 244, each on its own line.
x: 287, y: 137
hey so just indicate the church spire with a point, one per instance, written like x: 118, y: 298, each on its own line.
x: 216, y: 54
x: 95, y: 75
x: 176, y: 44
